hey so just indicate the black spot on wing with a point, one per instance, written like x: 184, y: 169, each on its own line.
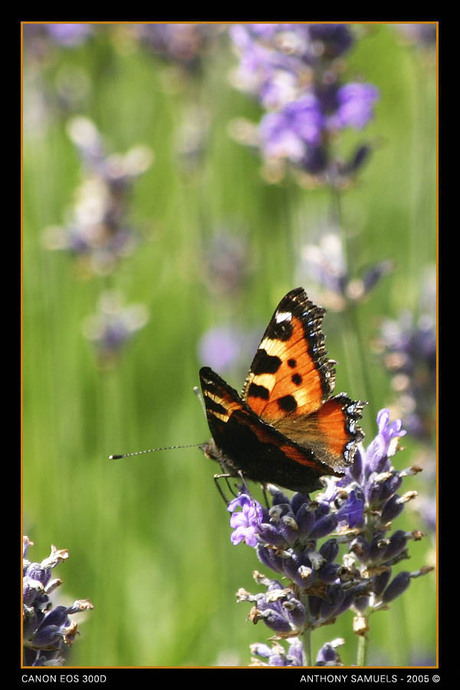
x: 287, y: 403
x: 264, y: 363
x: 256, y: 391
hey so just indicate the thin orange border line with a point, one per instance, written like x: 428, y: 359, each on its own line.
x: 99, y: 22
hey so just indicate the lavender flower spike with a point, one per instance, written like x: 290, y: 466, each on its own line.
x: 329, y: 554
x: 47, y: 632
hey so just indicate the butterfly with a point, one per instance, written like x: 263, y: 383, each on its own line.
x: 285, y: 428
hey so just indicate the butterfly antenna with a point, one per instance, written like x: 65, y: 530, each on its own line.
x: 152, y: 450
x: 198, y: 394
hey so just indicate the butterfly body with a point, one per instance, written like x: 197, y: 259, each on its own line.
x: 286, y: 428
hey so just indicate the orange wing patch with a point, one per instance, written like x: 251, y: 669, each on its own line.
x: 290, y: 373
x: 331, y: 432
x: 220, y: 401
x: 332, y: 425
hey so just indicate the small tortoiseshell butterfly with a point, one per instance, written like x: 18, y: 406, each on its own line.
x: 285, y: 428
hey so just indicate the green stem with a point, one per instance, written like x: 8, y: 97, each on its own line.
x: 307, y: 647
x: 307, y: 632
x: 352, y: 333
x: 361, y: 657
x: 357, y: 349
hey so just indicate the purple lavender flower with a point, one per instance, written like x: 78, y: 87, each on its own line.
x: 48, y: 631
x: 227, y: 263
x: 41, y: 40
x: 331, y: 554
x: 245, y: 522
x: 97, y: 232
x: 181, y: 44
x: 69, y: 35
x: 292, y: 70
x: 294, y: 655
x: 302, y: 124
x: 285, y: 538
x: 355, y: 106
x: 420, y: 34
x: 220, y: 347
x: 271, y: 54
x: 264, y: 72
x: 279, y: 607
x: 376, y: 549
x: 227, y: 347
x: 325, y: 265
x: 328, y: 655
x: 113, y: 325
x: 408, y: 349
x: 277, y: 655
x: 288, y: 132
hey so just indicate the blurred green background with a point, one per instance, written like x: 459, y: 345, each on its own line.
x: 149, y: 536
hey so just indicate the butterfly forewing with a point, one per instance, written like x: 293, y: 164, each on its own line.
x: 291, y: 372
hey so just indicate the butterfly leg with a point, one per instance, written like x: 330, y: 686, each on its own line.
x: 265, y: 494
x: 218, y: 477
x: 243, y: 488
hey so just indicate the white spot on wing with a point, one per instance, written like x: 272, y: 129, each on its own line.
x: 283, y: 316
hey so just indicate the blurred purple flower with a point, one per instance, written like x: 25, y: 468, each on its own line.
x: 355, y: 106
x: 69, y: 35
x: 227, y: 263
x: 42, y: 40
x: 97, y: 232
x: 226, y: 348
x: 287, y: 132
x: 220, y: 348
x: 421, y: 34
x: 182, y: 44
x: 325, y: 265
x: 282, y: 53
x: 113, y: 326
x: 407, y: 347
x: 303, y: 123
x: 292, y: 69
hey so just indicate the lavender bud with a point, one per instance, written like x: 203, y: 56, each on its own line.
x: 269, y: 558
x: 327, y: 655
x: 324, y: 526
x: 397, y: 586
x: 380, y: 581
x: 329, y: 549
x: 295, y: 613
x: 396, y: 544
x: 305, y: 519
x: 392, y: 508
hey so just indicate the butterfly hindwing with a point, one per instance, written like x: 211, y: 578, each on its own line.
x: 243, y: 443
